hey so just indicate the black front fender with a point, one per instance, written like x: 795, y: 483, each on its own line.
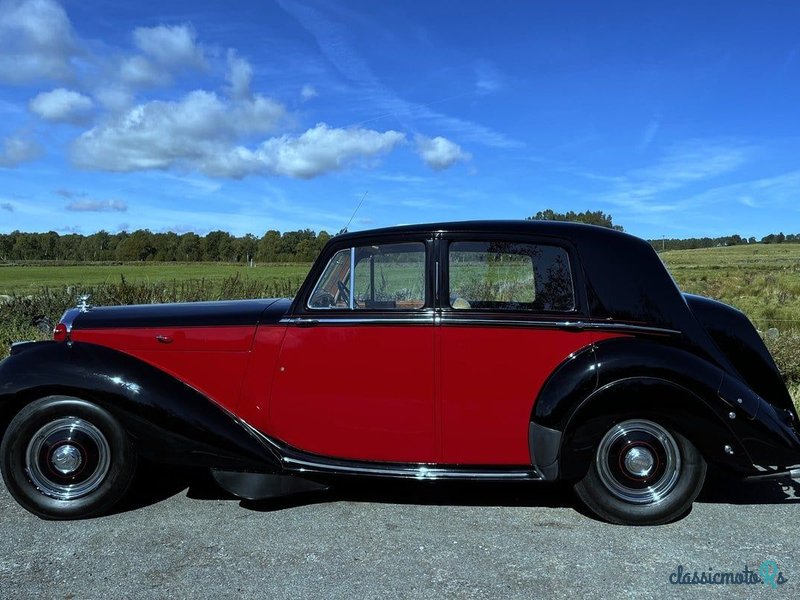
x: 167, y: 420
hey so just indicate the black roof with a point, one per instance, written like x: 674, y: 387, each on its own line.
x: 563, y: 229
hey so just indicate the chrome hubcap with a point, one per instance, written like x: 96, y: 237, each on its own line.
x: 639, y: 461
x: 68, y: 458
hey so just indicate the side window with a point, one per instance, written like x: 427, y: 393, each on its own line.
x: 510, y: 276
x: 387, y: 277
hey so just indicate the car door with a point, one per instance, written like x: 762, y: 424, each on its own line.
x: 355, y: 376
x: 503, y: 306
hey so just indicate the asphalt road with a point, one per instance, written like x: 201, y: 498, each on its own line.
x: 178, y: 537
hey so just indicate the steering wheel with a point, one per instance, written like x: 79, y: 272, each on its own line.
x: 321, y: 299
x: 344, y: 292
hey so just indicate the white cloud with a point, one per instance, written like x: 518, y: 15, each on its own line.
x: 440, y: 153
x: 138, y: 71
x: 319, y: 150
x: 172, y: 45
x: 239, y: 76
x: 97, y: 206
x: 62, y: 105
x: 160, y: 135
x: 18, y: 149
x: 36, y: 41
x: 308, y: 92
x: 203, y: 132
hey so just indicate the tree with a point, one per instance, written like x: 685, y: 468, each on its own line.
x: 589, y: 217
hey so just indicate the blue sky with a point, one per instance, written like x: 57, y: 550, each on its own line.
x: 680, y: 118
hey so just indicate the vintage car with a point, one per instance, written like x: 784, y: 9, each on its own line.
x: 487, y: 351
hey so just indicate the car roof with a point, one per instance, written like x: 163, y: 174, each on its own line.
x: 563, y: 229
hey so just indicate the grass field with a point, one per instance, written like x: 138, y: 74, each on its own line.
x: 761, y: 280
x: 30, y: 279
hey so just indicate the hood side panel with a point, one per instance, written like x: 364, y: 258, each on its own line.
x: 233, y: 313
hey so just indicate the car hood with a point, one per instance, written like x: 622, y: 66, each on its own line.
x: 230, y: 313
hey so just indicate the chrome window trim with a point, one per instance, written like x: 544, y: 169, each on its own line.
x: 352, y: 277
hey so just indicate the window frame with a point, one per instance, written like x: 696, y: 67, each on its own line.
x: 301, y: 303
x: 580, y: 308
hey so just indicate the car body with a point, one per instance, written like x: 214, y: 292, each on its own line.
x: 493, y: 350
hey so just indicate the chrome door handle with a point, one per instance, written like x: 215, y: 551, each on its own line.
x: 164, y: 339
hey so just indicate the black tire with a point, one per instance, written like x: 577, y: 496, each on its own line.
x: 642, y: 474
x: 66, y: 458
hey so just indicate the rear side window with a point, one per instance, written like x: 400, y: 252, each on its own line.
x: 510, y: 276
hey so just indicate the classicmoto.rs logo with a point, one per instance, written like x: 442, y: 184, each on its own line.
x: 767, y: 574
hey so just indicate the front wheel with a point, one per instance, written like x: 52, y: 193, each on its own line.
x: 66, y: 458
x: 642, y: 474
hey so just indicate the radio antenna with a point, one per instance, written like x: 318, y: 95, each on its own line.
x: 353, y: 216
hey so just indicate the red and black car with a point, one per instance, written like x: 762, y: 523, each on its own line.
x: 513, y: 351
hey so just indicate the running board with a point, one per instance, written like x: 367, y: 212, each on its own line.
x: 298, y: 462
x: 408, y: 471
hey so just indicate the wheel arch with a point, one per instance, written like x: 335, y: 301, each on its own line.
x: 668, y: 403
x: 609, y: 379
x: 166, y: 419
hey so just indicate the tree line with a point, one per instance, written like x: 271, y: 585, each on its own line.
x: 727, y: 240
x: 290, y: 246
x: 144, y: 245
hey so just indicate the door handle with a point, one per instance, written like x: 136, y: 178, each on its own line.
x: 164, y: 339
x: 306, y: 322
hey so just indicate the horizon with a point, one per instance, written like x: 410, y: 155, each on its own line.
x: 680, y: 120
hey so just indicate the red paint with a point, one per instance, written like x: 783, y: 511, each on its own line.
x: 360, y: 392
x: 489, y: 380
x: 212, y: 360
x: 258, y: 380
x: 60, y: 333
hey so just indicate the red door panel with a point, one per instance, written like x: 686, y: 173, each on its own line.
x: 357, y: 391
x: 489, y: 380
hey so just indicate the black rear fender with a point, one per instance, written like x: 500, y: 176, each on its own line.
x: 662, y: 401
x: 629, y: 376
x: 167, y: 420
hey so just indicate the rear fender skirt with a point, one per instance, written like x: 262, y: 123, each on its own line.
x: 168, y: 421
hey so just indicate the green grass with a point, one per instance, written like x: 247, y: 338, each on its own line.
x: 762, y: 281
x: 31, y: 278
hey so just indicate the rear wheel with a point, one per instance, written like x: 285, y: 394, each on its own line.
x: 642, y: 474
x: 66, y: 458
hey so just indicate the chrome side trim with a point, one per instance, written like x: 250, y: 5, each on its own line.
x: 421, y: 320
x: 580, y: 325
x: 438, y: 319
x: 420, y: 471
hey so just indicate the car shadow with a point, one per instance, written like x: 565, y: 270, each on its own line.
x: 721, y: 488
x: 156, y: 483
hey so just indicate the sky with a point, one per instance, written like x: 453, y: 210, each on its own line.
x: 680, y: 119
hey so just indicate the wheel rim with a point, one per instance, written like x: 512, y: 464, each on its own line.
x: 68, y: 458
x: 639, y: 462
